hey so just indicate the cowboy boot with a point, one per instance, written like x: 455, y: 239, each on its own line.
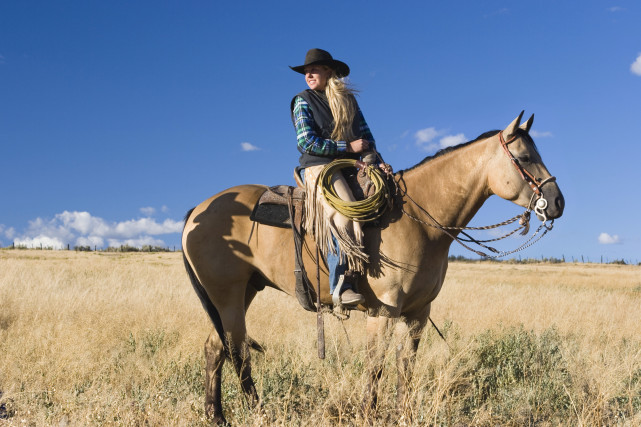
x: 349, y: 296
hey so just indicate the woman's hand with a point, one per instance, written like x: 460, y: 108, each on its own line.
x: 387, y: 169
x: 358, y: 146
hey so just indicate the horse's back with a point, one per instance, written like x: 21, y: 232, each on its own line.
x: 232, y: 201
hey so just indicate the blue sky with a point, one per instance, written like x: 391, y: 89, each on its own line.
x: 118, y: 117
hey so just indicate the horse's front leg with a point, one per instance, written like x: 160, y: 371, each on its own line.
x: 378, y: 332
x: 408, y: 336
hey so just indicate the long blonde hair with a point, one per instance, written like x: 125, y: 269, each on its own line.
x: 343, y: 106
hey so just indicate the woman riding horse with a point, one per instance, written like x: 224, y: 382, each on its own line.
x: 326, y: 116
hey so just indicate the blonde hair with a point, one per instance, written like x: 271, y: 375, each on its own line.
x: 343, y: 106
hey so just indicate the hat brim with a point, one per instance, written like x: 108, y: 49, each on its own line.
x: 341, y: 68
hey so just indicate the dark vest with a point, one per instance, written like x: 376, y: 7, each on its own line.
x: 323, y: 126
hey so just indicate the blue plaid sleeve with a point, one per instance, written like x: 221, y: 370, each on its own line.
x: 366, y: 133
x: 308, y: 141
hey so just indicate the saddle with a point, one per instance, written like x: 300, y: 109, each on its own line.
x: 283, y: 206
x: 273, y: 206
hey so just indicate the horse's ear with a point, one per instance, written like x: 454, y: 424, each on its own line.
x: 528, y: 125
x: 510, y: 130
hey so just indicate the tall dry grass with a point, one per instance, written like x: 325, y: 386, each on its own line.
x: 116, y: 339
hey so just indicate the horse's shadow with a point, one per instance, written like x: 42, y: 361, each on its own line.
x: 211, y: 218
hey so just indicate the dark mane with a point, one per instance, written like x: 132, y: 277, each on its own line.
x: 482, y: 136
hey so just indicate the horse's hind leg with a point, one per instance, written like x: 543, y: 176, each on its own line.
x: 236, y: 339
x: 237, y: 349
x: 214, y: 358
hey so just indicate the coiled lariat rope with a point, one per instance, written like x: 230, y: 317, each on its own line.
x: 368, y: 209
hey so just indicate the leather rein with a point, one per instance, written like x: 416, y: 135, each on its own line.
x: 539, y: 208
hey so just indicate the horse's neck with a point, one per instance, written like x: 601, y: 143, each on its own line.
x: 453, y: 186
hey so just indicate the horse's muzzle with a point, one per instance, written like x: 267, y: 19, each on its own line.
x: 555, y: 204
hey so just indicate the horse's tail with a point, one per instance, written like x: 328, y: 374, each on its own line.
x: 209, y: 307
x: 206, y: 302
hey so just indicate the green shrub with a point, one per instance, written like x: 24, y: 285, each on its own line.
x: 518, y: 374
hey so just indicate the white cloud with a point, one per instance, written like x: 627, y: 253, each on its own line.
x: 83, y: 229
x: 635, y: 68
x: 137, y: 243
x: 164, y: 209
x: 607, y: 239
x: 91, y: 241
x: 426, y: 139
x: 426, y: 135
x: 539, y: 134
x: 616, y: 9
x: 81, y: 222
x: 40, y: 241
x: 148, y: 211
x: 136, y: 227
x: 246, y: 146
x: 451, y: 140
x: 10, y: 232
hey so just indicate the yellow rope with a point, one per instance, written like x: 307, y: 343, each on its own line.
x: 364, y: 210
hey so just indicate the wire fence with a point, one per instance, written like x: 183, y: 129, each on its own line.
x: 121, y: 248
x: 516, y: 260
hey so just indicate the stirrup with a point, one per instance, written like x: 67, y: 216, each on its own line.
x: 338, y: 309
x: 336, y: 296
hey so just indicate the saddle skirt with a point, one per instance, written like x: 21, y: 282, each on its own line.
x: 273, y: 206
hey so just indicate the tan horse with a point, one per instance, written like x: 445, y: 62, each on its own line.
x: 227, y: 268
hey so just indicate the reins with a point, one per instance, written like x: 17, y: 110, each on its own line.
x: 524, y: 219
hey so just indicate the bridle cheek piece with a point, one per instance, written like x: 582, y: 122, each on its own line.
x: 534, y: 183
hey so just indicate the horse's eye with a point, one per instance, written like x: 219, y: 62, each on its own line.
x: 524, y: 158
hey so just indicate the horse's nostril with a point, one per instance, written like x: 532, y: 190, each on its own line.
x: 559, y: 202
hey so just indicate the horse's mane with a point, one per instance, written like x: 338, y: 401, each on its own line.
x: 482, y: 136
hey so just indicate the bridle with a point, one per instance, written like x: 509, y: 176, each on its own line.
x: 523, y: 219
x: 534, y: 183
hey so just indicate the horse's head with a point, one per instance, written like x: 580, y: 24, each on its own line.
x: 517, y: 172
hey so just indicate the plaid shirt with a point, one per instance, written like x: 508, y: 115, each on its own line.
x: 311, y: 143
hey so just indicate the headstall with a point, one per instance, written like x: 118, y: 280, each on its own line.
x: 534, y: 183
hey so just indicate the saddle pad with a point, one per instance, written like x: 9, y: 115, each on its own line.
x: 272, y: 209
x: 274, y: 215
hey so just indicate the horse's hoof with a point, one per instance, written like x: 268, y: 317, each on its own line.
x: 219, y: 421
x: 217, y: 418
x: 368, y: 408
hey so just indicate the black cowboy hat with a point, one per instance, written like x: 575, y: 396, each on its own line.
x: 323, y: 57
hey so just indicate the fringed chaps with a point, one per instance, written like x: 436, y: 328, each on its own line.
x: 324, y: 222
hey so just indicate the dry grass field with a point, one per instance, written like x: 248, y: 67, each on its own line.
x: 117, y: 339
